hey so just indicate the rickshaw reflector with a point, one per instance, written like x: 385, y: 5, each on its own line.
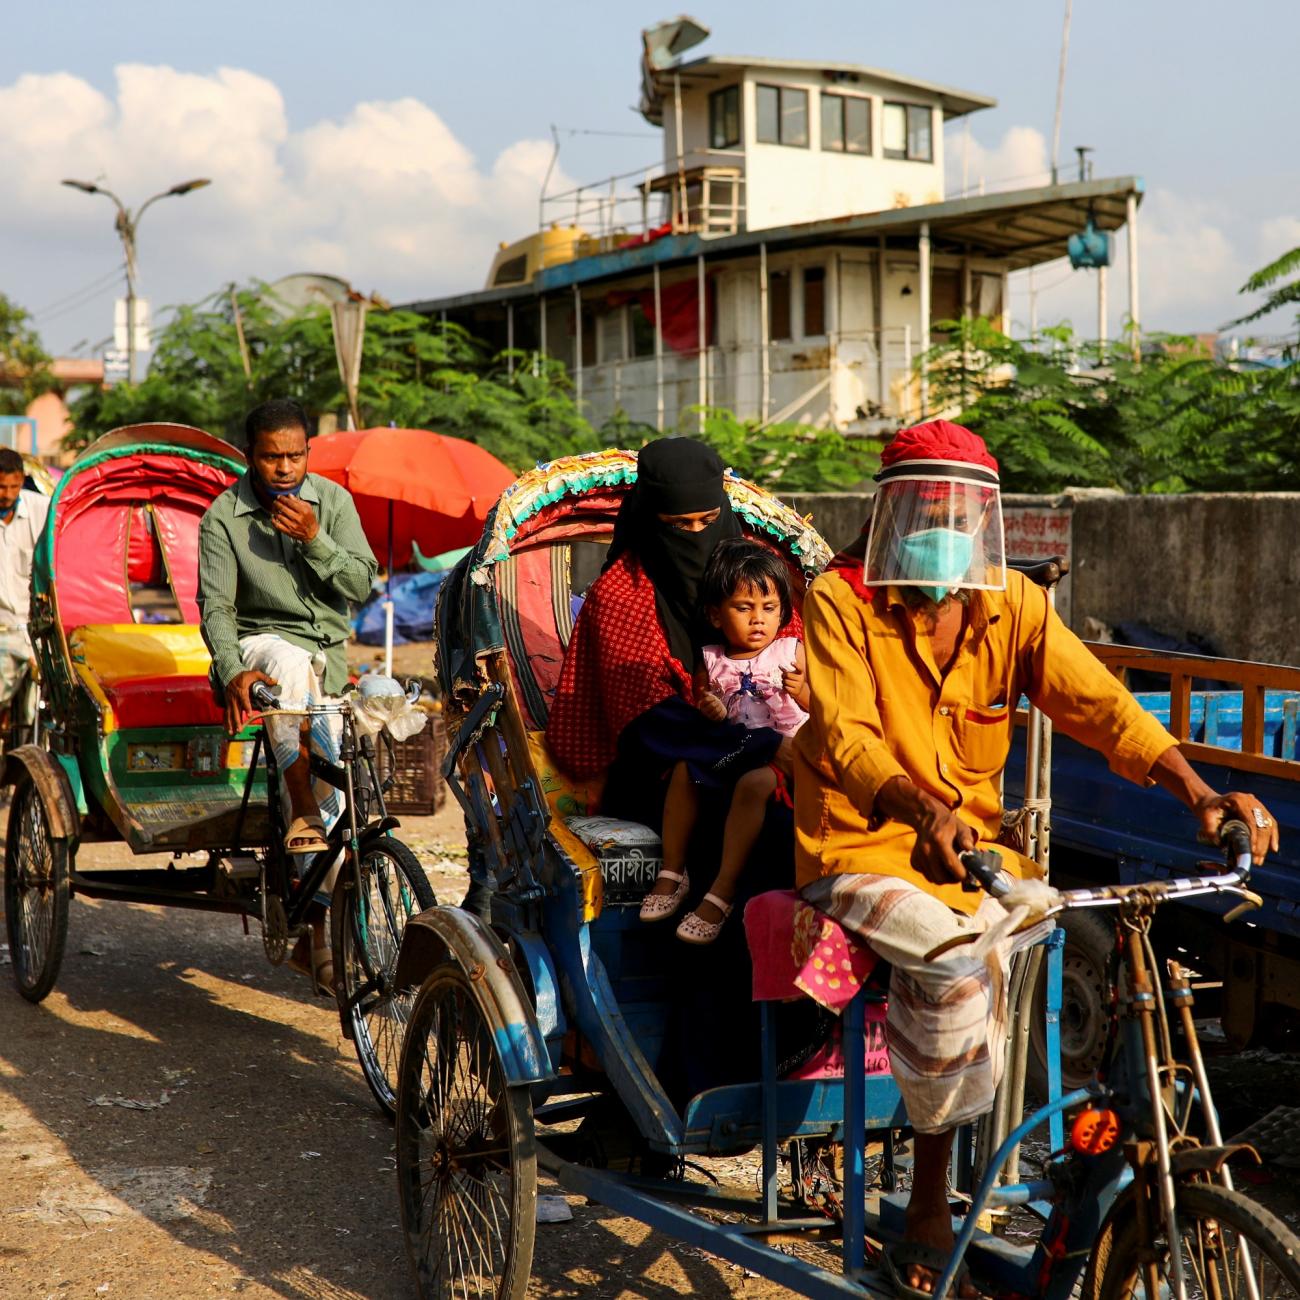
x: 155, y: 757
x: 1094, y: 1132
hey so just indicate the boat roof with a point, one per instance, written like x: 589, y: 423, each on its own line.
x: 955, y: 102
x: 1019, y: 227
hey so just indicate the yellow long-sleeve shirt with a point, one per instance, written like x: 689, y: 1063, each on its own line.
x: 881, y: 708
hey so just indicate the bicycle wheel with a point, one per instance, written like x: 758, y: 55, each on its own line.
x: 466, y: 1153
x: 1089, y: 966
x: 36, y: 893
x: 1215, y: 1224
x: 366, y: 933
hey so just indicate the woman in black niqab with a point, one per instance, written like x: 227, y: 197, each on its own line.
x: 675, y: 476
x: 711, y: 1032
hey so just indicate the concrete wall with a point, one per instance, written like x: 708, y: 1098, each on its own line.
x: 838, y: 516
x: 1226, y: 565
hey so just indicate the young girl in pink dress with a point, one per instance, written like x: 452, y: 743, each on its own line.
x: 754, y: 677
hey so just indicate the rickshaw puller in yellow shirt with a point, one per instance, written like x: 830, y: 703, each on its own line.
x: 919, y: 648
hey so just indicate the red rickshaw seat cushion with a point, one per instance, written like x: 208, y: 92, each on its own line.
x: 164, y: 702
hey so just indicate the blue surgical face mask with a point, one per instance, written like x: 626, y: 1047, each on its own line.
x: 942, y: 553
x: 273, y: 492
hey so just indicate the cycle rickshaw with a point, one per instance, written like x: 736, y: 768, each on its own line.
x: 133, y: 747
x: 551, y: 1011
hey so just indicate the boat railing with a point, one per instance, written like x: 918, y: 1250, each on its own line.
x: 704, y: 194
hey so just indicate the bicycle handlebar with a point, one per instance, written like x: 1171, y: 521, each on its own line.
x: 984, y: 871
x: 265, y: 699
x: 263, y: 696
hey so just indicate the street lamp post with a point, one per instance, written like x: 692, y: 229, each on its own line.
x: 126, y: 225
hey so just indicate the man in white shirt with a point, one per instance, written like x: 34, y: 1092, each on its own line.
x: 22, y: 517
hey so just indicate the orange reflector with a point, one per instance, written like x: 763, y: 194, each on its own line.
x: 1094, y: 1132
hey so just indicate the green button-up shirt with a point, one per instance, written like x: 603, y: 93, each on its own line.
x: 252, y: 578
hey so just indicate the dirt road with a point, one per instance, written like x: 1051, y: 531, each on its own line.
x: 179, y: 1119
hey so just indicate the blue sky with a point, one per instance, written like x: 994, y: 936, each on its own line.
x: 394, y: 143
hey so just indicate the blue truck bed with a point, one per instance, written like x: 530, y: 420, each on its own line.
x: 1104, y: 828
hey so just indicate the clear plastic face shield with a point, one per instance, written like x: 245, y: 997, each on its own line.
x: 936, y: 525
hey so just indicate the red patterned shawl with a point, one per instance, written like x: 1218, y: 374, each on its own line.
x: 617, y: 666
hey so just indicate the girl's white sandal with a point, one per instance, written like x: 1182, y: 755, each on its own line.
x: 659, y: 907
x: 694, y: 929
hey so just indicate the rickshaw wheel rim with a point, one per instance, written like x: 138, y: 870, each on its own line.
x: 478, y: 1164
x: 36, y: 894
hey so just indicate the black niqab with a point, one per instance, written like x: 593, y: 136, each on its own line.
x: 675, y: 476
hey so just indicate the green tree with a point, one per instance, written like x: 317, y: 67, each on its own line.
x: 789, y: 457
x: 414, y: 373
x: 1280, y: 295
x: 1072, y: 413
x: 24, y: 363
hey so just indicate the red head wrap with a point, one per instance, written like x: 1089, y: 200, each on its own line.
x: 938, y: 440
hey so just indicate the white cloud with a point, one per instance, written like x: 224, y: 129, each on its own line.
x: 386, y: 196
x: 1017, y: 161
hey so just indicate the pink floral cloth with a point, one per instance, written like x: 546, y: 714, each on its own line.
x: 798, y: 950
x: 752, y: 689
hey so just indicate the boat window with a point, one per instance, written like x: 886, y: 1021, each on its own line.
x: 846, y: 123
x: 778, y: 305
x: 724, y: 118
x: 782, y: 113
x: 908, y: 132
x: 514, y: 271
x: 814, y: 301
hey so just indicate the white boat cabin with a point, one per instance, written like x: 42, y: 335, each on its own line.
x: 789, y: 257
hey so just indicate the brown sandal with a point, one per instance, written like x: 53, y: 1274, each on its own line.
x: 306, y: 835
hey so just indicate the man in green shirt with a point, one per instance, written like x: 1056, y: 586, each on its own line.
x: 281, y: 557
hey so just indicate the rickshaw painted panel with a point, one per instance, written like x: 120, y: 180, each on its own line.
x: 119, y: 652
x: 590, y: 1001
x: 545, y: 989
x: 70, y: 770
x: 165, y: 701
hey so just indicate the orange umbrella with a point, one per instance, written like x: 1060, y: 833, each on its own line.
x: 412, y: 485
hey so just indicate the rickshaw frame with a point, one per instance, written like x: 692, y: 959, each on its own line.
x: 208, y: 792
x: 537, y: 977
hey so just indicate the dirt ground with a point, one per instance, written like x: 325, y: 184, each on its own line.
x: 180, y: 1119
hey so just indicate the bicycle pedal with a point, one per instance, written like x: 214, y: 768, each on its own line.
x: 240, y: 867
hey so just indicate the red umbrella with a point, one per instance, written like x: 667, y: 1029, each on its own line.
x: 412, y: 485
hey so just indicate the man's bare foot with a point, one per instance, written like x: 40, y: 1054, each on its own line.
x: 931, y: 1225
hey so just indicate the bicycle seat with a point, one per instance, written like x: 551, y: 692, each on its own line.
x: 1045, y: 573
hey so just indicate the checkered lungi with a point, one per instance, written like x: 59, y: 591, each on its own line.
x: 947, y: 1020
